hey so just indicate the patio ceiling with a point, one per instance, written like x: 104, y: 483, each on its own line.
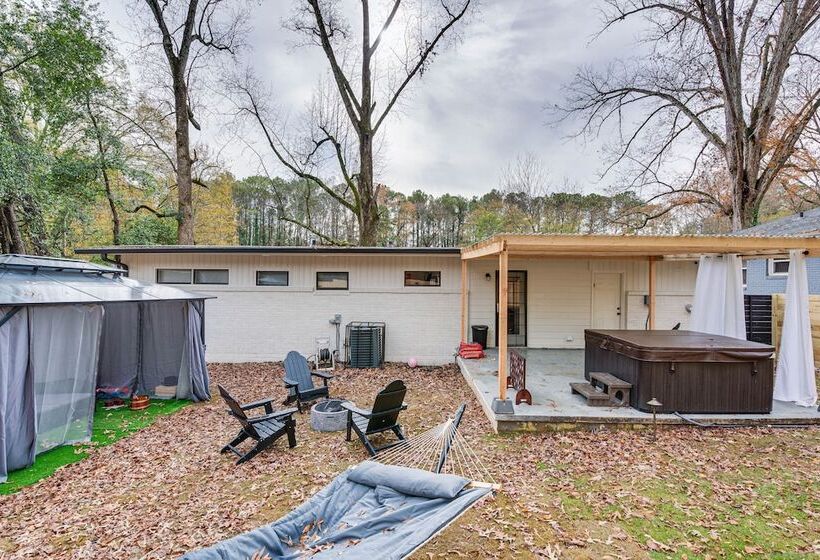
x: 637, y: 246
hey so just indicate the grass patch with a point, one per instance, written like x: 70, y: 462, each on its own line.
x: 109, y: 426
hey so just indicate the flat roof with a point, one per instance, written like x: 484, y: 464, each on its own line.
x: 638, y: 246
x: 256, y: 249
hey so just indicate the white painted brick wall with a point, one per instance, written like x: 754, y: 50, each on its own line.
x: 251, y: 323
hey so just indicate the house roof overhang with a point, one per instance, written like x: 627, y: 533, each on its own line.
x: 266, y: 250
x: 679, y: 247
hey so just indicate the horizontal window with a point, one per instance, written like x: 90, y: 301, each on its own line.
x: 211, y: 276
x: 271, y: 277
x: 778, y: 266
x: 173, y: 276
x: 332, y: 280
x: 422, y: 278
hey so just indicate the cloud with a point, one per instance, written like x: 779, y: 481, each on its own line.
x: 482, y: 101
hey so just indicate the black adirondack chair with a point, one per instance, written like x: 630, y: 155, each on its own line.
x: 299, y: 381
x: 264, y: 430
x: 381, y: 418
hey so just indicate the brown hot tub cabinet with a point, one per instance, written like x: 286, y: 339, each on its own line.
x: 688, y: 372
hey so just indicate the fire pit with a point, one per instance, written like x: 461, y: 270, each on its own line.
x: 328, y: 416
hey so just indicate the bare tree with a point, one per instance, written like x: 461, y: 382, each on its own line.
x: 369, y: 74
x: 524, y: 182
x: 731, y: 81
x: 189, y: 31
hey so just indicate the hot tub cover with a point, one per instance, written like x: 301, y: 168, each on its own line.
x: 370, y: 511
x: 679, y: 346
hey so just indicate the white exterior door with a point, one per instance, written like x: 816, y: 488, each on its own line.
x: 606, y: 300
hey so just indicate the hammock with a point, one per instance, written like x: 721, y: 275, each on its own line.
x: 387, y: 507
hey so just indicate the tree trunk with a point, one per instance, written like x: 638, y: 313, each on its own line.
x: 115, y: 216
x: 14, y: 240
x: 185, y: 207
x: 368, y: 205
x: 368, y: 210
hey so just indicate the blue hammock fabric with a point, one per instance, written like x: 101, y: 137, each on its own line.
x: 369, y: 511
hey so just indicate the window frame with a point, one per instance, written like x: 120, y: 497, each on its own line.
x: 285, y: 272
x: 744, y: 274
x: 437, y: 272
x: 347, y: 277
x: 225, y: 283
x: 190, y: 271
x: 770, y: 267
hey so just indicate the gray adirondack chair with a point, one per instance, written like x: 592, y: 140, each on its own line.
x: 383, y: 417
x: 299, y: 381
x: 264, y: 430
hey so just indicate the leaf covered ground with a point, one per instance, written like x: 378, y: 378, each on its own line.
x: 608, y: 494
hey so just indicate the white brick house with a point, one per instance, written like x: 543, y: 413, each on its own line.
x: 270, y: 300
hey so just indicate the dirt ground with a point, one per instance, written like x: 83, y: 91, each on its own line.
x: 609, y: 494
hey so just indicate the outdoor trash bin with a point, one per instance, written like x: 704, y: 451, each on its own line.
x: 480, y: 335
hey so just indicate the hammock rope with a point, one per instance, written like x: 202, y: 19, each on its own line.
x: 441, y: 449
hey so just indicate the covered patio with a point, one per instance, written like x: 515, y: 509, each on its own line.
x: 637, y: 259
x: 550, y: 371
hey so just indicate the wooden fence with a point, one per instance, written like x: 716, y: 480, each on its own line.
x: 778, y: 306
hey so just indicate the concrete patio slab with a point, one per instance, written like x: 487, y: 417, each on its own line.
x: 549, y: 373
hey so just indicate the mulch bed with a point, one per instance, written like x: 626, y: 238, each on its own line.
x: 613, y: 494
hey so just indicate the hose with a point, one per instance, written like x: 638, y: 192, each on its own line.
x: 705, y: 425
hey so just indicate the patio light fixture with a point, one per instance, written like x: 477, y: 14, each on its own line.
x: 654, y: 404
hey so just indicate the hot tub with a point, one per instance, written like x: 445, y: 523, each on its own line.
x: 688, y: 372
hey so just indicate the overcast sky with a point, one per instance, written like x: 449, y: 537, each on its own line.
x: 482, y: 103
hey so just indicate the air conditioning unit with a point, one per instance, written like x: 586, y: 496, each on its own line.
x: 365, y: 344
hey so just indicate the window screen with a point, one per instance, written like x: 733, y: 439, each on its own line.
x: 173, y: 276
x: 271, y: 277
x: 422, y: 278
x: 331, y: 280
x: 211, y: 276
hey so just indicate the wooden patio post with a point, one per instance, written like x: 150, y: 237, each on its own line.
x: 464, y: 300
x: 651, y: 293
x: 503, y: 264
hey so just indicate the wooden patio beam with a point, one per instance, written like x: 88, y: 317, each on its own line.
x: 614, y: 246
x: 483, y: 249
x: 503, y: 270
x: 651, y: 298
x: 464, y: 301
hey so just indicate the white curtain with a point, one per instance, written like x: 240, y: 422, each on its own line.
x: 63, y: 357
x: 795, y: 360
x: 718, y: 303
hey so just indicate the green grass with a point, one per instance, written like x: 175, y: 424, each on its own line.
x: 109, y: 426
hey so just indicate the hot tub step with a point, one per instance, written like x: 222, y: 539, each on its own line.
x: 617, y: 389
x: 593, y: 396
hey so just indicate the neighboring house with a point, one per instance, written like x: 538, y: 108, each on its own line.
x: 768, y: 276
x: 270, y: 300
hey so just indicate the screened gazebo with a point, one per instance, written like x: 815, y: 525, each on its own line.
x: 69, y: 328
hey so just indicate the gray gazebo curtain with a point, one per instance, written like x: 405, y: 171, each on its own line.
x: 16, y: 394
x: 120, y: 347
x: 64, y: 347
x: 155, y: 349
